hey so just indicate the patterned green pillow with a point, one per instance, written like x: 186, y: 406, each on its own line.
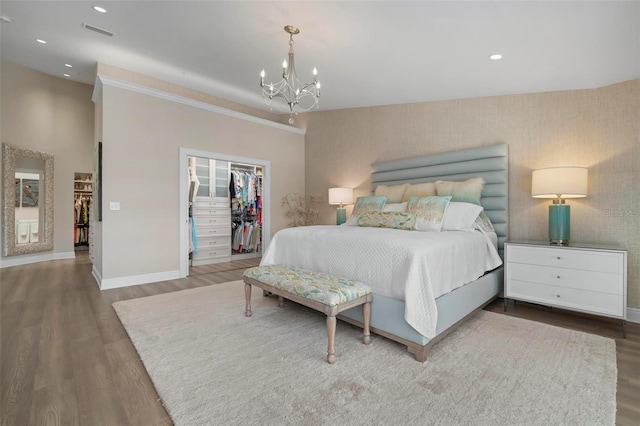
x: 429, y: 212
x: 395, y: 220
x: 483, y: 222
x: 371, y: 203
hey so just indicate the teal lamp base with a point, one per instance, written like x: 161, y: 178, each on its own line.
x: 342, y: 215
x: 559, y: 231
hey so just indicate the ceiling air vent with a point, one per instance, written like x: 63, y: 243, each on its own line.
x: 98, y: 30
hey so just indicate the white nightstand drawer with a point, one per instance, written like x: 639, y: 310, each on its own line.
x: 564, y: 277
x: 567, y: 258
x: 587, y: 301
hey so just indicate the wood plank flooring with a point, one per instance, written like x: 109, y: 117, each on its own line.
x: 65, y: 359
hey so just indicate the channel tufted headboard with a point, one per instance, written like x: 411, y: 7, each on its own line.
x: 489, y: 162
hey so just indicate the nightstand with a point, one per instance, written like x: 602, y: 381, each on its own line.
x: 579, y: 277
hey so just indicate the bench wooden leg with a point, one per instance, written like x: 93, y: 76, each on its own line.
x: 247, y: 296
x: 366, y: 315
x: 331, y: 335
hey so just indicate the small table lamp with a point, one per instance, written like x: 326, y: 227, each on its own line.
x: 559, y: 183
x: 341, y: 196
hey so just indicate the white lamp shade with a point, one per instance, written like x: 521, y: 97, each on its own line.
x: 563, y: 182
x: 340, y: 196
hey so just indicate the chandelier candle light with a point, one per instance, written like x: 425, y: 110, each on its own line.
x: 299, y: 96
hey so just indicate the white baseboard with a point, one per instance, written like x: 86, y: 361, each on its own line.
x: 96, y: 275
x: 633, y: 315
x: 26, y: 259
x: 109, y: 283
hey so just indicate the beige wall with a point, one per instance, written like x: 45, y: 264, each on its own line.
x: 55, y: 115
x: 165, y: 86
x: 596, y: 128
x: 141, y: 137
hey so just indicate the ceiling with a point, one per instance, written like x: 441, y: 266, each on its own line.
x: 367, y: 53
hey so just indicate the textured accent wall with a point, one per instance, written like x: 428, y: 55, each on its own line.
x: 597, y: 128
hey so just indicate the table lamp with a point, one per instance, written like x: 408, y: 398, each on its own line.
x: 559, y: 183
x: 341, y: 196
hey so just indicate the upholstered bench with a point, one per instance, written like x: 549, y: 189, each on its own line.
x: 316, y: 290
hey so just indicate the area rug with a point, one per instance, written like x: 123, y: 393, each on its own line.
x: 212, y: 365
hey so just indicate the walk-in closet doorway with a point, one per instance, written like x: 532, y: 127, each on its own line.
x: 250, y: 166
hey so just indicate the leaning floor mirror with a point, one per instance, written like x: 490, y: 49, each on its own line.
x: 27, y: 201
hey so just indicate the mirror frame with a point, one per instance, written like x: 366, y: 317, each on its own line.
x: 9, y: 154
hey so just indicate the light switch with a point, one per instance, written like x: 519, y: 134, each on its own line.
x: 114, y: 205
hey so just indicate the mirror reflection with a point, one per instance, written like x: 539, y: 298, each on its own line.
x: 27, y: 200
x: 28, y: 211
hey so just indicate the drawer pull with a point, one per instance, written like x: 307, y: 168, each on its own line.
x: 558, y: 276
x: 558, y: 257
x: 557, y: 295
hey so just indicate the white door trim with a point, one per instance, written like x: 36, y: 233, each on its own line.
x: 184, y: 202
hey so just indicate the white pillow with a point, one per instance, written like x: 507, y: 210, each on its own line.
x: 460, y: 216
x: 395, y: 207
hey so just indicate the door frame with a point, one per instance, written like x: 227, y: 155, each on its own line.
x: 183, y: 215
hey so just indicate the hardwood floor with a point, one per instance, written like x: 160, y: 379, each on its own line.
x: 65, y: 358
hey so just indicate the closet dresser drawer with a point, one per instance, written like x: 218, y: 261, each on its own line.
x: 211, y: 220
x: 582, y: 278
x: 212, y: 250
x: 210, y: 207
x: 212, y: 231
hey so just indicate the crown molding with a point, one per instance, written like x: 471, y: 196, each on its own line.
x: 102, y: 80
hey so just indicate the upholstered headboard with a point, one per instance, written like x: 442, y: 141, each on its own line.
x: 489, y: 162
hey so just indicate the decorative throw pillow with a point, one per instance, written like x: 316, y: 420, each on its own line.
x: 395, y: 220
x: 429, y: 212
x: 468, y: 191
x: 483, y: 222
x: 366, y: 204
x: 460, y: 216
x: 394, y: 193
x: 426, y: 189
x: 395, y: 207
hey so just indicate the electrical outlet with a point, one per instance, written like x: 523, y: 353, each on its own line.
x: 114, y: 205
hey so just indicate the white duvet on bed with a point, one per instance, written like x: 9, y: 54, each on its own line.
x: 413, y: 266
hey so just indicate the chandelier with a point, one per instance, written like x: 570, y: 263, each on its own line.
x: 298, y: 95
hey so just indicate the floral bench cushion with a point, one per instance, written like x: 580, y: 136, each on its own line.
x: 309, y: 284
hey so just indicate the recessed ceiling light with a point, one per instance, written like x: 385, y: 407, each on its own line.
x: 495, y: 56
x: 68, y: 65
x: 66, y: 75
x: 39, y: 40
x: 100, y: 9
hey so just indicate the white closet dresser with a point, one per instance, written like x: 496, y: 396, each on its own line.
x: 211, y: 212
x: 212, y: 217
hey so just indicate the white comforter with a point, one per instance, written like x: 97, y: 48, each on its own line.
x: 413, y: 266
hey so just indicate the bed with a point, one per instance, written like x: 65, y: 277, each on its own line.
x: 416, y: 301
